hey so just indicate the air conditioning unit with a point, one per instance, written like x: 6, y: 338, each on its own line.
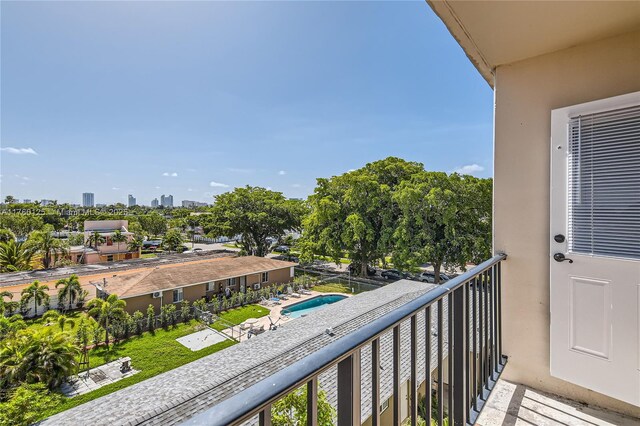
x: 256, y: 286
x: 157, y: 294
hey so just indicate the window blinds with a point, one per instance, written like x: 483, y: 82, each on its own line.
x: 604, y: 183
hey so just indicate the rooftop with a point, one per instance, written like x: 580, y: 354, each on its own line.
x: 175, y: 396
x: 168, y: 277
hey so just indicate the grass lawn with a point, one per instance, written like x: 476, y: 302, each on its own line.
x: 334, y: 288
x: 231, y: 245
x: 39, y: 323
x: 148, y: 256
x: 239, y: 315
x: 151, y: 354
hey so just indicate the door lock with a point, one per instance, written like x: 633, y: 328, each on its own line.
x: 559, y: 257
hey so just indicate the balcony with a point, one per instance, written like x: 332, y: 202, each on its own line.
x: 452, y: 331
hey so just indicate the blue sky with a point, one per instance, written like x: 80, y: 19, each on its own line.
x: 195, y: 98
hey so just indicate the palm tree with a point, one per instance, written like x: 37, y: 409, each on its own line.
x: 118, y: 237
x: 61, y: 319
x: 70, y: 289
x: 135, y: 244
x: 7, y: 307
x: 106, y: 311
x: 37, y: 356
x: 37, y: 293
x: 49, y: 247
x: 15, y: 256
x: 95, y: 239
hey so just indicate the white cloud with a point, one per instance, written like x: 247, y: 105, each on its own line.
x: 116, y: 188
x: 19, y: 151
x: 157, y: 187
x: 214, y: 184
x: 296, y: 185
x: 239, y: 170
x: 190, y: 189
x: 172, y: 174
x: 469, y: 169
x: 282, y: 172
x: 22, y: 177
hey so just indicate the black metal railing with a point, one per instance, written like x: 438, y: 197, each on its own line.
x: 473, y: 350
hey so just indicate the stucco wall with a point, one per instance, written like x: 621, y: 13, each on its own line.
x: 525, y: 93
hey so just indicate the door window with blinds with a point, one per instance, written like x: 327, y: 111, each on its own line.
x: 604, y: 183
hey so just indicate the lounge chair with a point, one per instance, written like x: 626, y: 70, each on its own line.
x: 304, y: 291
x: 266, y: 302
x: 296, y: 295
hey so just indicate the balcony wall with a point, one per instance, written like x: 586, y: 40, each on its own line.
x: 525, y: 94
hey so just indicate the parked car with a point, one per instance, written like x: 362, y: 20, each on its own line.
x: 281, y: 249
x: 354, y: 268
x: 430, y: 277
x: 394, y: 274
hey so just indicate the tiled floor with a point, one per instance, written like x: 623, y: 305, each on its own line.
x: 95, y: 378
x: 512, y: 404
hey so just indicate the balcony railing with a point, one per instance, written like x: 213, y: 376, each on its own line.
x: 474, y: 350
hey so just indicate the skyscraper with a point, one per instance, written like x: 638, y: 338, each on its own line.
x: 166, y: 201
x: 87, y: 199
x: 155, y: 203
x: 132, y: 200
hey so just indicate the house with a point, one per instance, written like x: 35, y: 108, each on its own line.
x: 194, y: 280
x: 107, y: 250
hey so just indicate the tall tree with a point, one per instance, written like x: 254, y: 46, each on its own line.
x: 291, y: 410
x: 445, y: 220
x: 355, y: 213
x: 255, y: 214
x: 70, y: 290
x: 21, y: 224
x: 46, y: 245
x: 153, y: 224
x: 7, y: 307
x: 135, y: 244
x: 95, y: 239
x: 15, y: 256
x: 106, y: 311
x: 36, y: 292
x: 118, y: 237
x: 9, y: 199
x: 172, y: 240
x: 61, y: 319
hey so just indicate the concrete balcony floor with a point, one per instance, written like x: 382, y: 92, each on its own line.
x: 512, y: 404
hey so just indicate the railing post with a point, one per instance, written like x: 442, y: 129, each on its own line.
x: 397, y: 420
x: 414, y: 370
x: 375, y: 382
x: 312, y: 402
x: 459, y: 362
x: 349, y: 390
x: 264, y: 418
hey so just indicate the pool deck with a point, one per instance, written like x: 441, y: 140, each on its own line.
x: 275, y: 312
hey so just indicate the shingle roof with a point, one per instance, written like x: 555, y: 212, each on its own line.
x: 136, y: 283
x: 179, y: 394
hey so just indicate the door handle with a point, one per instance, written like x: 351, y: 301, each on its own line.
x: 559, y: 257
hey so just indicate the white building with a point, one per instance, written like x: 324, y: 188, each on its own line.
x: 189, y: 203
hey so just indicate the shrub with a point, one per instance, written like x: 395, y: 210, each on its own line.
x: 26, y: 404
x: 138, y: 318
x: 151, y: 319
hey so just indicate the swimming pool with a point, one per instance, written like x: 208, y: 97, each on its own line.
x: 301, y: 309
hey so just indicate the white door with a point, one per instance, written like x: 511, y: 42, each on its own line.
x: 595, y: 246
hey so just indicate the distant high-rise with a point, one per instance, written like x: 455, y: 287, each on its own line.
x: 46, y: 202
x: 87, y: 199
x: 189, y: 203
x: 132, y: 200
x: 166, y: 201
x: 26, y: 201
x: 155, y: 203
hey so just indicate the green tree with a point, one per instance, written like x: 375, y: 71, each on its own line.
x: 21, y: 224
x: 36, y: 292
x: 355, y: 213
x: 27, y: 404
x: 7, y: 307
x: 138, y: 326
x: 70, y: 290
x: 172, y: 240
x: 151, y: 319
x: 7, y: 235
x: 291, y: 410
x: 445, y: 220
x: 135, y: 244
x: 61, y: 319
x: 46, y: 245
x: 118, y: 237
x: 106, y: 311
x: 154, y: 224
x: 37, y: 356
x: 95, y: 239
x: 15, y: 256
x: 10, y: 325
x: 10, y: 199
x: 256, y: 214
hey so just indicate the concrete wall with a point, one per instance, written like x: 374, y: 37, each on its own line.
x: 525, y: 93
